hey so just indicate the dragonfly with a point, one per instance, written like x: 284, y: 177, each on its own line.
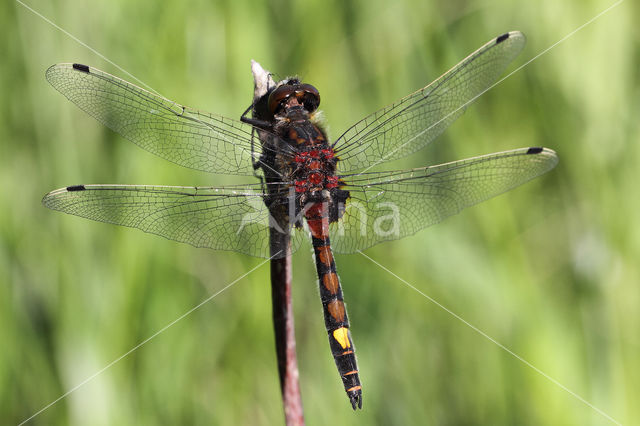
x: 308, y: 187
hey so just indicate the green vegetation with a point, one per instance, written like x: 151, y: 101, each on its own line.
x: 549, y: 270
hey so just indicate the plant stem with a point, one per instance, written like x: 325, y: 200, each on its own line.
x: 284, y: 330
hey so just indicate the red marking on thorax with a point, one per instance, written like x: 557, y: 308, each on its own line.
x: 300, y: 186
x: 316, y: 178
x: 315, y: 166
x: 332, y: 182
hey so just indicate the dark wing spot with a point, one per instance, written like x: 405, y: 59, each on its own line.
x: 75, y: 188
x: 502, y: 38
x: 535, y: 150
x: 80, y: 67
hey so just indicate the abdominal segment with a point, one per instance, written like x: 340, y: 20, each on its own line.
x: 335, y: 313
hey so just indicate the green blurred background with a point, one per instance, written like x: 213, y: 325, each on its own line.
x: 550, y: 270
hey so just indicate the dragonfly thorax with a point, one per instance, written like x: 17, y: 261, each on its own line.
x: 313, y: 168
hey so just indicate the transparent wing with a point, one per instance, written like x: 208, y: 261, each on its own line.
x: 411, y: 123
x: 174, y: 132
x: 390, y: 205
x: 233, y: 218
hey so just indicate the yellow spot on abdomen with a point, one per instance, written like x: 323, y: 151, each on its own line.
x: 342, y: 337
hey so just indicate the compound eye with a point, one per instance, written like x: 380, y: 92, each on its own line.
x: 308, y: 96
x: 278, y: 96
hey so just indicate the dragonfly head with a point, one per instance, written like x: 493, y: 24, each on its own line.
x: 293, y: 94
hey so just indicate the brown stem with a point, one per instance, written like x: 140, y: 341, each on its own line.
x: 284, y: 331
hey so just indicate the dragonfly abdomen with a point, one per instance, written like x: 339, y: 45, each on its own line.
x: 335, y: 312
